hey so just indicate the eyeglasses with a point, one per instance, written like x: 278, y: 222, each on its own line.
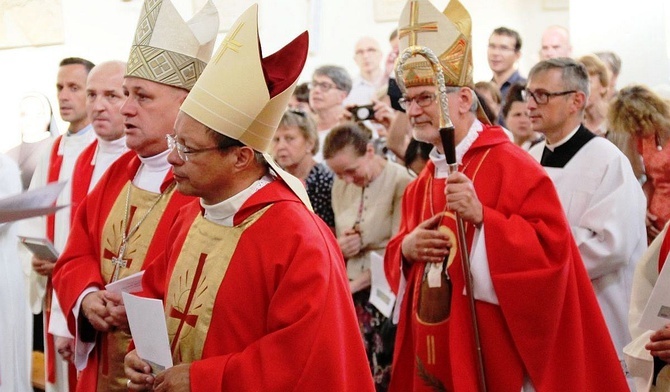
x: 422, y: 100
x: 182, y: 151
x: 323, y: 86
x: 541, y: 97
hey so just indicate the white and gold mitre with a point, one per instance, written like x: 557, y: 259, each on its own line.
x: 241, y: 94
x: 448, y: 34
x: 169, y: 50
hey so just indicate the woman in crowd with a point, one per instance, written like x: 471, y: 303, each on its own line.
x: 596, y: 107
x: 517, y: 119
x: 367, y: 195
x: 643, y: 118
x: 294, y: 146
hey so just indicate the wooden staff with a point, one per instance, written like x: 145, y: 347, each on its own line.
x: 447, y: 137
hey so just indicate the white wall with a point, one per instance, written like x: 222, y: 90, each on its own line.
x: 103, y: 30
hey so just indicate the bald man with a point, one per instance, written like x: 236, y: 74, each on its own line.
x: 368, y: 57
x: 555, y: 43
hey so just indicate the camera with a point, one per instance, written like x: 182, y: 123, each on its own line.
x: 362, y: 113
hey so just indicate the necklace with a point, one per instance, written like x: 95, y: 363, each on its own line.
x: 119, y: 261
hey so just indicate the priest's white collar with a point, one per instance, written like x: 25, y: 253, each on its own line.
x: 152, y: 172
x: 112, y: 147
x: 224, y: 212
x: 559, y: 143
x: 440, y: 161
x: 81, y: 132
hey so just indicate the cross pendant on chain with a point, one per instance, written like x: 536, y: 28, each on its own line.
x: 119, y: 262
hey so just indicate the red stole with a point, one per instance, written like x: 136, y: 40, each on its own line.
x: 55, y: 164
x: 82, y: 175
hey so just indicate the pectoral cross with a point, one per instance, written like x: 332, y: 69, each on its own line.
x: 414, y: 26
x: 183, y: 316
x: 119, y: 262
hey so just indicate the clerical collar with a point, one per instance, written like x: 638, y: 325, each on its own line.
x: 440, y: 161
x: 559, y: 154
x: 80, y: 132
x: 156, y: 163
x: 152, y: 172
x: 116, y: 147
x: 112, y: 146
x: 559, y: 143
x: 224, y: 212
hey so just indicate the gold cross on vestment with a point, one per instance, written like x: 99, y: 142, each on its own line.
x: 183, y: 316
x: 414, y: 26
x: 230, y: 43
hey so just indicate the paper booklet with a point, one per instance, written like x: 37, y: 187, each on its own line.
x: 656, y: 314
x: 42, y: 248
x: 146, y: 317
x: 35, y: 202
x: 129, y: 284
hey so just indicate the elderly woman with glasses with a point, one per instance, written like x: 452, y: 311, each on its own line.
x: 367, y: 195
x: 294, y: 145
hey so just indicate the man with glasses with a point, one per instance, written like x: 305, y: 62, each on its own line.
x: 601, y: 197
x: 121, y: 223
x: 538, y: 320
x: 269, y: 307
x: 329, y: 87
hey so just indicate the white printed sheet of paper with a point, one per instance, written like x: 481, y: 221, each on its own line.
x: 146, y: 317
x: 129, y: 284
x: 381, y: 295
x: 28, y: 204
x: 656, y: 314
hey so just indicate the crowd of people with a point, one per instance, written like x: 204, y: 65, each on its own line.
x: 376, y: 232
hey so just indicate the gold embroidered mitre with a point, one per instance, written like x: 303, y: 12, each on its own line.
x: 447, y: 34
x: 243, y: 95
x: 169, y: 50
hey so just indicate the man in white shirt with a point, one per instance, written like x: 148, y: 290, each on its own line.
x: 602, y: 199
x: 368, y: 56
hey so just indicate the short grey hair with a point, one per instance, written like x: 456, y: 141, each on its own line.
x: 475, y: 101
x: 573, y: 73
x: 337, y: 74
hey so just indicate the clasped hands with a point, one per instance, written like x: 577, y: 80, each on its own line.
x: 140, y: 378
x: 105, y: 311
x: 428, y: 244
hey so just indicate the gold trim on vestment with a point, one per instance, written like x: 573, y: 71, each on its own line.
x: 195, y: 281
x: 113, y: 346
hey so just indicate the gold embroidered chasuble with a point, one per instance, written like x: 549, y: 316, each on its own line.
x: 194, y: 283
x: 114, y: 345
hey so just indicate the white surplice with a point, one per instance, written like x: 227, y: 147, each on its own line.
x: 606, y: 209
x: 16, y: 321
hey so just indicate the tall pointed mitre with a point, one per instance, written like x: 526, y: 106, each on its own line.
x: 243, y: 95
x: 447, y: 34
x: 169, y: 50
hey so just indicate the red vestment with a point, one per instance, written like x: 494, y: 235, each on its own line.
x: 263, y: 305
x: 82, y: 181
x: 547, y: 324
x: 79, y: 266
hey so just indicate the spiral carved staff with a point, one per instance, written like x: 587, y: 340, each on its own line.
x: 448, y: 144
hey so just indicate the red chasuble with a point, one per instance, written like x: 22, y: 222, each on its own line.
x: 547, y: 325
x: 79, y: 267
x: 261, y: 306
